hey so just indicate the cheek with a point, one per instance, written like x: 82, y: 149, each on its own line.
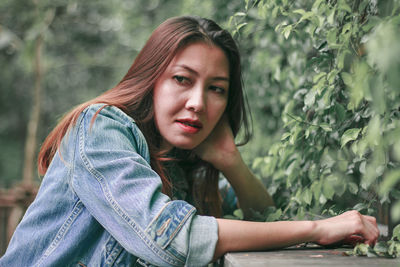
x: 221, y: 108
x: 217, y: 112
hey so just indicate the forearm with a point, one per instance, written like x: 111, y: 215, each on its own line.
x: 241, y: 235
x: 244, y: 236
x: 251, y: 193
x: 220, y: 150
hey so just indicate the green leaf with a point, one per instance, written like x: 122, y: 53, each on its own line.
x: 396, y: 232
x: 300, y: 213
x: 322, y: 199
x: 342, y: 5
x: 240, y: 14
x: 241, y: 26
x: 328, y: 189
x: 274, y: 216
x: 325, y: 126
x: 341, y: 58
x: 362, y: 167
x: 316, y: 189
x: 372, y: 22
x: 361, y: 249
x: 307, y: 196
x: 280, y: 25
x: 286, y: 31
x: 306, y: 15
x: 331, y: 37
x: 331, y: 17
x: 381, y: 247
x: 317, y: 77
x: 391, y: 178
x: 239, y: 214
x: 371, y: 253
x: 247, y: 4
x: 332, y: 76
x: 349, y: 135
x: 316, y: 4
x: 274, y: 13
x: 347, y: 79
x: 285, y: 136
x: 346, y: 28
x: 309, y: 99
x: 295, y: 133
x: 299, y: 11
x: 394, y: 248
x: 353, y: 188
x: 395, y: 212
x: 340, y: 112
x: 360, y: 207
x: 395, y: 193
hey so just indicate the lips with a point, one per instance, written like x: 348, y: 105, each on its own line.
x: 190, y: 126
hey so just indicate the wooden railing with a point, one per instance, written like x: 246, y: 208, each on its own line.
x: 13, y: 204
x: 304, y: 256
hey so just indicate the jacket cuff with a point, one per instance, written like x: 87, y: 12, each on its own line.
x: 203, y: 240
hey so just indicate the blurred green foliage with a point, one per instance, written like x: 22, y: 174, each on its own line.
x: 322, y: 79
x: 88, y: 47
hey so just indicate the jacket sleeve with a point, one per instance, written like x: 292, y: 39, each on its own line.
x: 112, y: 177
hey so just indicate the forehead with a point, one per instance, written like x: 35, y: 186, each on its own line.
x: 202, y: 57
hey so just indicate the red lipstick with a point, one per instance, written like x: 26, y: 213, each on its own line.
x: 190, y: 126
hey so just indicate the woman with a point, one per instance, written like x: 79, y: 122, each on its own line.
x: 128, y: 173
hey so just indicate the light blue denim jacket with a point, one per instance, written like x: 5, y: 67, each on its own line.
x: 100, y: 204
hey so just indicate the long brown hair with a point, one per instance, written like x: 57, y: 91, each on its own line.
x: 133, y: 95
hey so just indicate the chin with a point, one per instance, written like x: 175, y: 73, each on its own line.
x: 184, y: 142
x: 186, y: 146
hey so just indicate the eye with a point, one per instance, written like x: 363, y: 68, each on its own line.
x: 181, y: 79
x: 218, y: 89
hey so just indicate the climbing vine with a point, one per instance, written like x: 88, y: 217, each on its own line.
x: 325, y: 73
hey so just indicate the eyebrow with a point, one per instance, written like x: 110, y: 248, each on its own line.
x: 219, y: 78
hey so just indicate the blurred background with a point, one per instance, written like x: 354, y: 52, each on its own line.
x: 322, y: 80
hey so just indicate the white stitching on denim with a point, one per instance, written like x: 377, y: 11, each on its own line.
x: 148, y: 228
x: 113, y: 254
x: 74, y: 140
x: 164, y: 226
x: 178, y: 227
x: 62, y: 231
x: 165, y: 255
x: 143, y: 263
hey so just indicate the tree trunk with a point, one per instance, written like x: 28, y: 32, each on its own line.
x: 31, y: 137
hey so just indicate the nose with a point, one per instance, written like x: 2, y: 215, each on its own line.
x: 196, y: 99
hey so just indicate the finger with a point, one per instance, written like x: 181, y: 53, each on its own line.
x: 371, y: 232
x: 363, y: 227
x: 374, y: 226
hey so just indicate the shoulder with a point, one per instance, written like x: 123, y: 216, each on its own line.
x: 112, y: 125
x: 110, y: 112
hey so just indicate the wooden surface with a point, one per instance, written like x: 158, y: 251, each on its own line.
x: 315, y: 256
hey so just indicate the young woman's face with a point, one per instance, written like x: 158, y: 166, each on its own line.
x: 191, y: 95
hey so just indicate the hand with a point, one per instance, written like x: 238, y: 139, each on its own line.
x: 219, y: 147
x: 350, y: 228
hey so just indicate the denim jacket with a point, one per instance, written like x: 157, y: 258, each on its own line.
x: 100, y: 204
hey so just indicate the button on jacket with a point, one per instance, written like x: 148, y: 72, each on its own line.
x: 100, y: 204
